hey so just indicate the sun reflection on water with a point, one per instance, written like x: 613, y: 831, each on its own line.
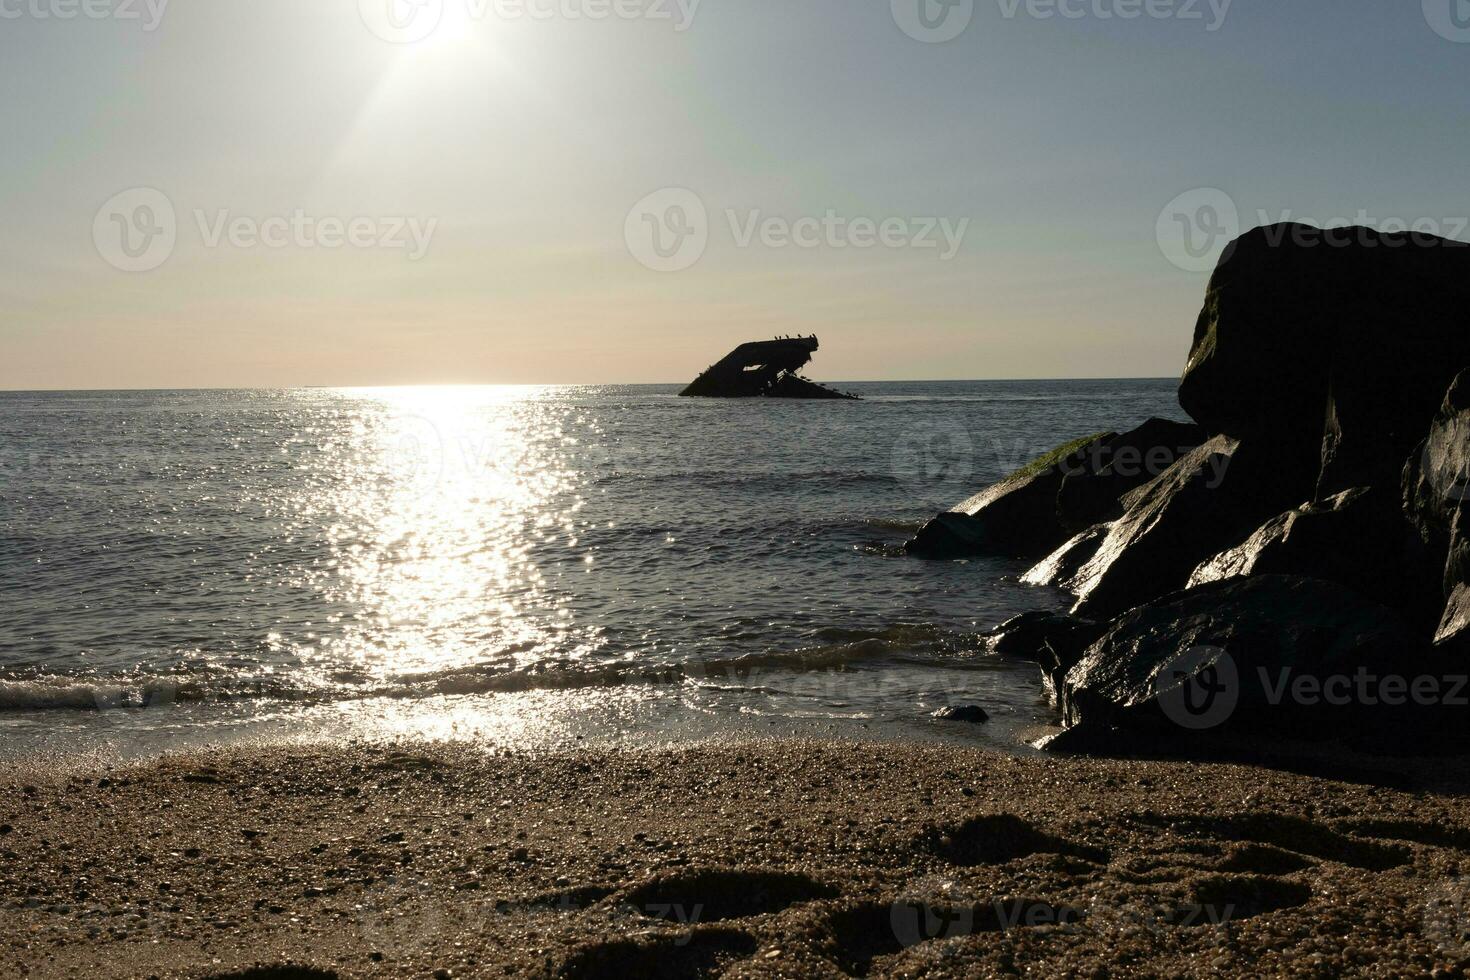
x: 436, y: 500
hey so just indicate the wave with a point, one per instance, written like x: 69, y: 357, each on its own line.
x: 827, y: 478
x: 836, y: 650
x: 893, y: 524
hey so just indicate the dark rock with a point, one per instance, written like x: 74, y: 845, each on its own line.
x: 1090, y: 493
x: 1293, y: 313
x: 1436, y: 482
x: 1063, y: 650
x: 1060, y: 568
x: 1437, y: 476
x: 1312, y: 535
x: 970, y: 713
x: 1454, y: 625
x: 1055, y: 641
x: 1204, y: 503
x: 1016, y: 517
x: 1358, y: 538
x: 950, y: 535
x: 1045, y: 638
x: 1213, y: 660
x: 1025, y: 635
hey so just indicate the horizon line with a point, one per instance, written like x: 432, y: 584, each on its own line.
x: 554, y: 384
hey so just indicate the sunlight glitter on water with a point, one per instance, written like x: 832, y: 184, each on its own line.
x: 526, y: 562
x: 431, y: 498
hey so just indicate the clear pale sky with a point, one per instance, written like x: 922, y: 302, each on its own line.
x: 527, y: 142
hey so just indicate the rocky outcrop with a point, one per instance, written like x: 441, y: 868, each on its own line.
x: 1092, y: 495
x: 1029, y: 633
x: 1358, y: 538
x: 1204, y: 503
x: 952, y: 535
x: 1016, y: 518
x: 1311, y: 540
x: 1060, y: 568
x: 1073, y: 487
x: 1229, y: 656
x: 1053, y: 641
x: 1296, y: 319
x: 1454, y: 624
x: 1437, y: 475
x: 1321, y: 530
x: 1436, y: 490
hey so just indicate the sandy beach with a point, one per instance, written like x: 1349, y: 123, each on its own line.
x: 774, y: 859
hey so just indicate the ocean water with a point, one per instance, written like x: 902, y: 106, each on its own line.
x: 529, y: 568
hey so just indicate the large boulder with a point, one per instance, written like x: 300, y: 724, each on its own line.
x: 1090, y: 495
x: 1358, y: 538
x: 1028, y: 634
x: 1297, y: 318
x: 1436, y: 488
x: 1016, y: 517
x: 1053, y: 641
x: 1436, y: 478
x: 1454, y: 624
x: 1207, y: 501
x: 1060, y: 568
x: 1231, y: 656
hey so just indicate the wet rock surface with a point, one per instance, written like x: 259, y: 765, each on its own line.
x: 1092, y: 495
x: 1234, y: 655
x: 1294, y: 315
x: 1321, y: 523
x: 1060, y: 568
x: 970, y: 714
x: 1178, y: 520
x: 1358, y: 538
x: 1017, y: 517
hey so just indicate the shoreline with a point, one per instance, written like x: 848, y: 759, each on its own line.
x: 760, y: 858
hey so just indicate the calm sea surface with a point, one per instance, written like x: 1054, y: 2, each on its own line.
x: 524, y: 567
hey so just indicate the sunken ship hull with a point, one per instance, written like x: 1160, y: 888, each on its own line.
x: 764, y: 369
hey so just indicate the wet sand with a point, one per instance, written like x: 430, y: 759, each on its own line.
x: 778, y: 859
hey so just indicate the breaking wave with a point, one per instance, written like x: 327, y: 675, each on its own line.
x: 835, y: 650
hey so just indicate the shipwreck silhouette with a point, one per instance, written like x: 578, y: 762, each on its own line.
x: 763, y: 369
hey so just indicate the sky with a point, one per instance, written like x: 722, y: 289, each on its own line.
x: 225, y: 193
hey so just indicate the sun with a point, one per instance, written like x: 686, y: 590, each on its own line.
x: 457, y: 26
